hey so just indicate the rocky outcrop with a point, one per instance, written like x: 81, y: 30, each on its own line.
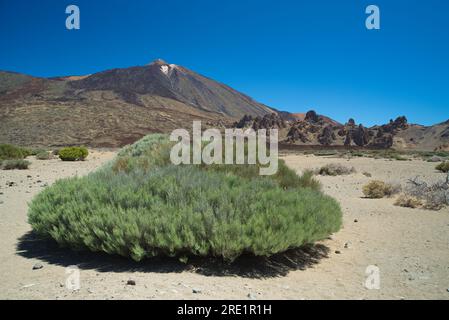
x: 312, y: 116
x: 269, y: 121
x: 327, y: 136
x: 394, y: 126
x: 316, y: 130
x: 356, y: 135
x: 295, y: 134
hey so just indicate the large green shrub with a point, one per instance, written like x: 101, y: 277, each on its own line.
x: 141, y: 206
x: 73, y: 153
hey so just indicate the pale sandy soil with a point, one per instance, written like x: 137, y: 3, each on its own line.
x: 410, y: 247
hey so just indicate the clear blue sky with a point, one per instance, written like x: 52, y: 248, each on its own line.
x: 291, y: 55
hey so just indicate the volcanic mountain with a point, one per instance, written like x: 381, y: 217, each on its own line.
x: 114, y: 107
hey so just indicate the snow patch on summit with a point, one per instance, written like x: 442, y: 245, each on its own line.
x: 164, y: 69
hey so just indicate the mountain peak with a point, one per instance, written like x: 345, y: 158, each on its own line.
x: 159, y: 62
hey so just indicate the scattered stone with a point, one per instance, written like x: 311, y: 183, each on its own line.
x: 355, y: 220
x: 337, y: 252
x: 38, y: 266
x: 348, y: 245
x: 131, y: 282
x: 367, y: 174
x: 1, y: 202
x: 447, y: 289
x: 251, y: 296
x: 435, y: 159
x: 195, y: 290
x: 29, y: 177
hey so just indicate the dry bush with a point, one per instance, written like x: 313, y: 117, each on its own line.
x: 408, y: 201
x: 377, y: 189
x: 434, y: 196
x: 19, y: 164
x: 334, y: 169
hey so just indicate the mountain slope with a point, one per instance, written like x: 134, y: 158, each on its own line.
x: 174, y: 82
x: 114, y: 107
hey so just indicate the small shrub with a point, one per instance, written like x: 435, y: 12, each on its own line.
x: 335, y: 169
x: 43, y: 155
x: 15, y: 164
x: 433, y: 196
x: 35, y: 151
x: 325, y: 153
x: 73, y: 153
x: 55, y: 152
x: 9, y: 152
x: 408, y: 201
x: 378, y: 189
x: 443, y: 167
x: 399, y: 157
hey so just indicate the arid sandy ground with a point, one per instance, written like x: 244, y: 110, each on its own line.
x: 410, y: 247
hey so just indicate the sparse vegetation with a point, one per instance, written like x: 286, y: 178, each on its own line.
x: 335, y: 169
x: 73, y: 153
x: 432, y: 196
x: 142, y: 206
x: 408, y: 201
x: 10, y: 152
x: 43, y: 155
x: 443, y: 167
x: 377, y: 189
x: 19, y: 164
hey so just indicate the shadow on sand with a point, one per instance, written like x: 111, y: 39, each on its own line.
x: 30, y: 246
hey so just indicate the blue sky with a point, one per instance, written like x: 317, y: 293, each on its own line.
x: 291, y: 55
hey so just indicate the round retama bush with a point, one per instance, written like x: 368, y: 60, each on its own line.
x: 73, y: 153
x: 142, y: 206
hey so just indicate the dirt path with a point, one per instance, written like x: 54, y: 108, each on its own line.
x: 409, y: 246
